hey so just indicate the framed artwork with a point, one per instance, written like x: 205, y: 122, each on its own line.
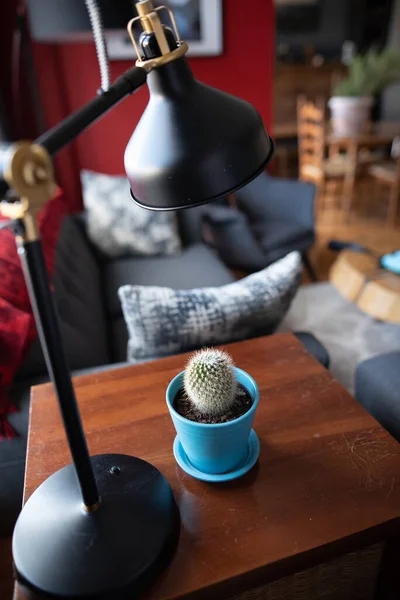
x: 199, y: 23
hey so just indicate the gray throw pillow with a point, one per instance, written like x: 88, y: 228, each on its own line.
x: 118, y: 227
x: 162, y: 321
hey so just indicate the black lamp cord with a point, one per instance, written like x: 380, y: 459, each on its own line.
x: 338, y: 246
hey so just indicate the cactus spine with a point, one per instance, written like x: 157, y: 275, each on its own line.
x: 210, y: 382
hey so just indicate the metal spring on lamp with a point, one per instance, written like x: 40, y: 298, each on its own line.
x: 100, y: 43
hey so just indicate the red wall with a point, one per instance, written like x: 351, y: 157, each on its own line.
x: 69, y: 77
x: 19, y: 118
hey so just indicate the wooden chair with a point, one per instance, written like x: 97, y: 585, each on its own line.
x: 388, y: 176
x: 313, y: 165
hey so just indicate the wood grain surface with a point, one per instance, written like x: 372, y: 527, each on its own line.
x: 327, y: 481
x: 380, y: 133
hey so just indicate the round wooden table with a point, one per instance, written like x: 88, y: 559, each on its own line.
x: 359, y: 278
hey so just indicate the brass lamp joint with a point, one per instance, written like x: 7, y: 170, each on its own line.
x: 29, y: 173
x: 150, y: 22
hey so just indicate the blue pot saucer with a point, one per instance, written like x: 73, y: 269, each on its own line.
x: 251, y: 459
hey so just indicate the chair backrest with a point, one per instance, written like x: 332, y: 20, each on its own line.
x: 311, y: 137
x: 277, y: 200
x: 190, y: 223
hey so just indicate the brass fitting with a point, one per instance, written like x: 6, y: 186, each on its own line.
x: 150, y: 22
x: 93, y: 507
x: 145, y: 8
x: 29, y: 173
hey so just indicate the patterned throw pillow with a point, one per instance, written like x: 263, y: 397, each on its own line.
x: 118, y: 227
x: 162, y: 321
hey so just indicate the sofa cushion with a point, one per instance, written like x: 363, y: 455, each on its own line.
x: 162, y: 321
x: 196, y: 266
x: 118, y: 226
x: 78, y: 295
x: 119, y: 339
x: 120, y: 342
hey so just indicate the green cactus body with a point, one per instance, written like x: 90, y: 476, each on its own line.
x: 210, y: 383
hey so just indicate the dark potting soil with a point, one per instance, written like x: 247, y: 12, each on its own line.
x: 241, y: 405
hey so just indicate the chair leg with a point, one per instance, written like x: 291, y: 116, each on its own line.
x: 347, y: 198
x: 309, y: 268
x: 375, y: 190
x: 319, y: 205
x: 393, y: 203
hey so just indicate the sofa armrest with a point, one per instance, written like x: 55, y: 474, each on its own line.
x: 377, y: 388
x: 79, y: 298
x: 227, y: 230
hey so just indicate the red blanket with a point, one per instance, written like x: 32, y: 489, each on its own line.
x: 17, y: 327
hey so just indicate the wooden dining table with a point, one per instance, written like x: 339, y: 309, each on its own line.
x: 360, y: 149
x: 380, y: 133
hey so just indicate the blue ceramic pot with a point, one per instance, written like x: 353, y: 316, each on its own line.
x: 219, y: 447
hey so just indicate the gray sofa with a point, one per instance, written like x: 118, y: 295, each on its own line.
x: 93, y: 328
x: 377, y: 388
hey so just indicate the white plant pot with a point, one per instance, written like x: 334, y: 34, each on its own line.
x: 349, y: 115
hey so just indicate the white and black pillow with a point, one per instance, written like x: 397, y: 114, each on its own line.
x: 118, y: 227
x: 162, y: 321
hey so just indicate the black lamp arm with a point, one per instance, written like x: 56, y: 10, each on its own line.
x: 67, y: 130
x: 34, y: 268
x: 59, y: 136
x: 47, y: 323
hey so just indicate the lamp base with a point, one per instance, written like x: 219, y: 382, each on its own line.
x: 62, y: 551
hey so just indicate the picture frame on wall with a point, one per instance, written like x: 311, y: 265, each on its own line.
x: 200, y: 23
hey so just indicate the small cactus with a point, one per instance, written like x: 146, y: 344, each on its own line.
x: 210, y: 382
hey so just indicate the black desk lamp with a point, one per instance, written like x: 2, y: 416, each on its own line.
x: 106, y: 526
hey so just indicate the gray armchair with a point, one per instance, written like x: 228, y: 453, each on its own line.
x: 377, y: 388
x: 272, y: 217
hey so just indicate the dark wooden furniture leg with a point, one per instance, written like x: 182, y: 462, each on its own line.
x: 309, y: 267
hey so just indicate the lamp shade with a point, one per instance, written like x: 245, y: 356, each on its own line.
x: 194, y: 143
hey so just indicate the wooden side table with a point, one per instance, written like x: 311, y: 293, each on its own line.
x: 308, y: 521
x: 375, y: 291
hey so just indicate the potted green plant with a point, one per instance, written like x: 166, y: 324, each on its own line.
x: 353, y: 97
x: 212, y: 404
